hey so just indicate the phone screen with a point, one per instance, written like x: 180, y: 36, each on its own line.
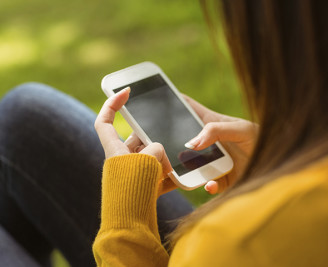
x: 166, y: 120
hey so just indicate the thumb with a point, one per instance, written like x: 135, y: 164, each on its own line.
x: 217, y: 131
x: 157, y: 150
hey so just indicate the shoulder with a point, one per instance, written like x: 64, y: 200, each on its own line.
x: 281, y: 224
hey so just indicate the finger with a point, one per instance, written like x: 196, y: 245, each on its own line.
x: 107, y: 134
x: 205, y: 114
x: 166, y: 185
x: 219, y: 131
x: 197, y: 107
x: 112, y: 105
x: 132, y: 142
x: 139, y: 148
x: 223, y: 184
x: 218, y: 186
x: 157, y: 150
x: 212, y: 187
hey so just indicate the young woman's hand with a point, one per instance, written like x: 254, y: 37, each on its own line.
x: 113, y: 146
x: 237, y: 136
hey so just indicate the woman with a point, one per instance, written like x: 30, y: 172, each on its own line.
x: 275, y: 212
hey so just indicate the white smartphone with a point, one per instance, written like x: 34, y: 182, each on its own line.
x: 158, y: 113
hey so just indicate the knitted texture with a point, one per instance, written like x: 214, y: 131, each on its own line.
x: 130, y: 187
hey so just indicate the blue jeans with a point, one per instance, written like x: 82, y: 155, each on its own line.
x: 50, y: 177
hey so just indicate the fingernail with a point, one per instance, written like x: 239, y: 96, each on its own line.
x: 188, y: 145
x: 192, y: 143
x: 128, y: 89
x: 211, y: 187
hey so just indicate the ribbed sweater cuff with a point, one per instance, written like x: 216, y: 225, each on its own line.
x: 129, y: 191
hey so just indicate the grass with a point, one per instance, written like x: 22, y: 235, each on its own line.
x: 71, y: 45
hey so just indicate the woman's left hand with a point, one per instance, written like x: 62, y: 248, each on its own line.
x: 113, y: 146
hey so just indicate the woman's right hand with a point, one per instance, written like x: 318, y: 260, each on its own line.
x: 237, y: 136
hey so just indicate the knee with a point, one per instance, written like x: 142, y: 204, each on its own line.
x: 33, y: 107
x: 20, y: 107
x: 26, y: 115
x: 23, y: 98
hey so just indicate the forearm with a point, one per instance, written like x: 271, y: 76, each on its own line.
x: 128, y: 232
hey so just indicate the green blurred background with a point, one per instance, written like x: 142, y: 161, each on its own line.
x: 71, y: 45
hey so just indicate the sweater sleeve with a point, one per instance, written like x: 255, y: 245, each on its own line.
x: 128, y: 234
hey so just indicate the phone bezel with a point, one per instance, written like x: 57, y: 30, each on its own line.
x: 192, y: 179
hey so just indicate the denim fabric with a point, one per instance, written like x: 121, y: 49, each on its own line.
x: 50, y: 176
x: 11, y: 254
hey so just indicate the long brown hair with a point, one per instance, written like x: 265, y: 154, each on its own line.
x: 280, y: 51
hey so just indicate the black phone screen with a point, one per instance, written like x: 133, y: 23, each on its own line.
x: 166, y: 120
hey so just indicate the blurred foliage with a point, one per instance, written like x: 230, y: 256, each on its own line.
x: 71, y: 45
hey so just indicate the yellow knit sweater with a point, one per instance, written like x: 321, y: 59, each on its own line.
x: 284, y: 223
